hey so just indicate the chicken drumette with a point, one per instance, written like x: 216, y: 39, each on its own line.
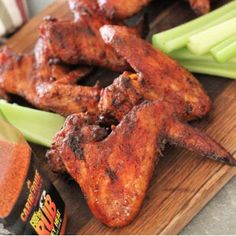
x: 114, y: 170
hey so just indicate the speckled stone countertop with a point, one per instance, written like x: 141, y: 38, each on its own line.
x: 219, y: 215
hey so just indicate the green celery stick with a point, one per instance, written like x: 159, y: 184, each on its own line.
x: 37, y: 126
x: 225, y: 50
x: 202, y: 42
x: 185, y: 54
x: 177, y: 37
x: 211, y: 68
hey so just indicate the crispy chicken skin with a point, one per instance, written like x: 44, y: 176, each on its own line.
x: 121, y: 9
x: 47, y: 86
x: 159, y: 73
x: 200, y: 6
x: 114, y: 171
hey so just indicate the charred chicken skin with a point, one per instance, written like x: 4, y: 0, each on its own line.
x: 159, y: 75
x: 47, y: 86
x: 114, y: 170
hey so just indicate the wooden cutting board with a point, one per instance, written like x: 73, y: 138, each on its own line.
x: 183, y: 182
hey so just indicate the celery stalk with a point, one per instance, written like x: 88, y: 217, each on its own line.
x: 37, y: 126
x: 203, y: 41
x: 185, y: 54
x: 225, y: 50
x: 177, y: 37
x: 211, y: 68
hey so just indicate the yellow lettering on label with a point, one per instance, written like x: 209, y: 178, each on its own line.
x: 43, y: 220
x: 41, y: 229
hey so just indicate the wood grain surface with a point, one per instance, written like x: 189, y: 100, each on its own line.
x: 183, y: 182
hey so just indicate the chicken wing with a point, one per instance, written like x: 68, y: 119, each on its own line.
x: 121, y: 9
x: 200, y: 6
x: 116, y: 101
x: 158, y: 73
x: 45, y: 85
x: 114, y: 171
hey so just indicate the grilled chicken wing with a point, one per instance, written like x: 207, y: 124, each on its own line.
x: 121, y: 9
x: 114, y: 171
x: 159, y: 73
x: 45, y: 85
x: 200, y: 6
x: 117, y: 100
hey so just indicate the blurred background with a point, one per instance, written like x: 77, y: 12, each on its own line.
x: 14, y: 13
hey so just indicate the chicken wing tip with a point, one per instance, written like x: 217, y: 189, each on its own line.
x: 230, y: 160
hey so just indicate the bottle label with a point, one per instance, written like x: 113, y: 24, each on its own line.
x: 39, y: 209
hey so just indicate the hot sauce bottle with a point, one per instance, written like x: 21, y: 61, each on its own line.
x: 29, y: 203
